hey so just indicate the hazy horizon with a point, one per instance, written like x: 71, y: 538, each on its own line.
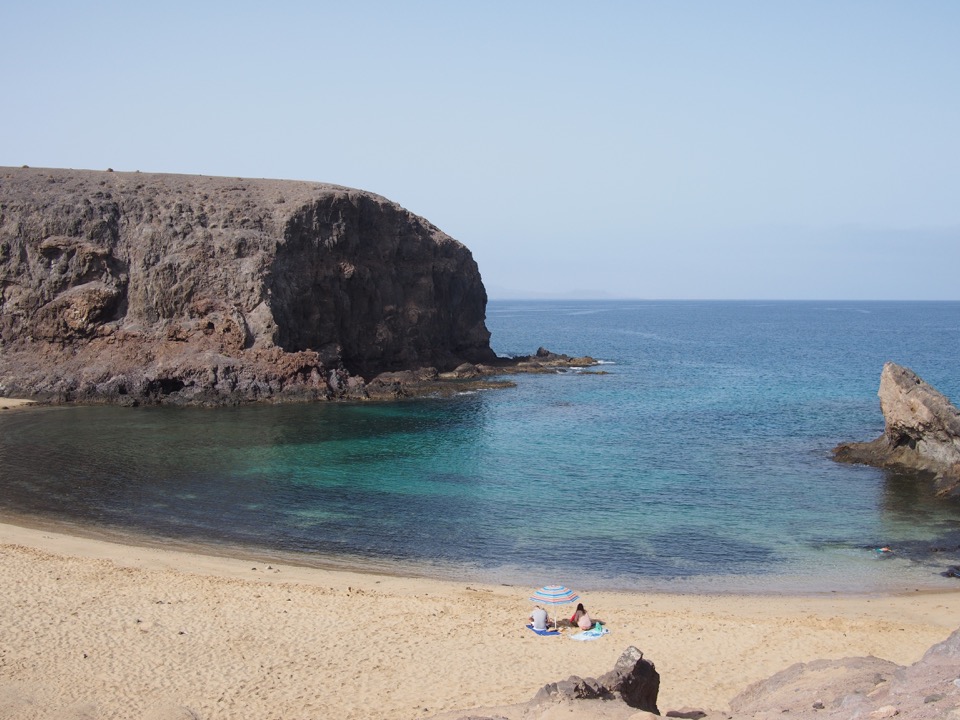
x: 586, y: 297
x: 629, y: 150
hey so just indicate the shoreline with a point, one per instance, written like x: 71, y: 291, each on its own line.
x: 135, y: 630
x: 719, y: 585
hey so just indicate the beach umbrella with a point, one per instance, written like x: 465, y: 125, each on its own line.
x: 554, y: 595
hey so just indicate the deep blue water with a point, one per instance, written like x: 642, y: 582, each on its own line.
x: 699, y: 459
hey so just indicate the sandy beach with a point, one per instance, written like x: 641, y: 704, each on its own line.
x: 14, y: 403
x: 94, y: 629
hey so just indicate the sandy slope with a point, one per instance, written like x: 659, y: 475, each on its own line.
x: 90, y: 629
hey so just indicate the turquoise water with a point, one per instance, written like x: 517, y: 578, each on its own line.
x: 698, y: 460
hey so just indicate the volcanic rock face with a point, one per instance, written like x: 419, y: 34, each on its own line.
x: 922, y: 431
x: 138, y: 287
x: 865, y: 687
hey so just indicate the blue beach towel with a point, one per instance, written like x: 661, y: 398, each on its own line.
x: 593, y: 633
x: 542, y: 632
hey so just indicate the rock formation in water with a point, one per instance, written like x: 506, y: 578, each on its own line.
x: 134, y: 287
x: 921, y: 433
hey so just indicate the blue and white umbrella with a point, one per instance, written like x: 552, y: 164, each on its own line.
x: 554, y: 595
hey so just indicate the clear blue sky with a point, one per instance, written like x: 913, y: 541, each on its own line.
x: 607, y: 149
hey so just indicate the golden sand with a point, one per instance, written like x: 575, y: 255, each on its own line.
x: 102, y: 630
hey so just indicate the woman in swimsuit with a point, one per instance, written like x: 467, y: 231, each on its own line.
x: 581, y: 618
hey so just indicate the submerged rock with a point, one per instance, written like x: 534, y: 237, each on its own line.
x: 921, y: 433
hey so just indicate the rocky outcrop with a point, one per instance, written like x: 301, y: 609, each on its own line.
x: 134, y: 287
x: 860, y: 687
x: 921, y: 433
x: 819, y: 686
x: 628, y: 692
x: 633, y: 680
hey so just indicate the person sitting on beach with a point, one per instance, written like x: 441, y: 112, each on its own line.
x: 581, y: 618
x: 539, y: 618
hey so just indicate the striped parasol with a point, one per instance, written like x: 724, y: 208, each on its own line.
x: 554, y: 595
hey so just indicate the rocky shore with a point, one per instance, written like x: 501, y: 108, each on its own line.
x: 138, y: 288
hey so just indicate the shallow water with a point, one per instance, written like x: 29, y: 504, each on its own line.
x: 699, y: 460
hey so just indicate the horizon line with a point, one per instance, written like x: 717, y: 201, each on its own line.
x: 708, y: 299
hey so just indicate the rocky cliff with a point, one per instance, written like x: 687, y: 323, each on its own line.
x: 134, y: 287
x: 921, y: 431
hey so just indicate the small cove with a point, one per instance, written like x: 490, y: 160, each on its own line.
x: 699, y: 459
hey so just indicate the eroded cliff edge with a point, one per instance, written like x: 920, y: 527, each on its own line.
x: 921, y: 431
x: 137, y: 287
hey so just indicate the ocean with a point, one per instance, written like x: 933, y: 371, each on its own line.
x: 694, y: 458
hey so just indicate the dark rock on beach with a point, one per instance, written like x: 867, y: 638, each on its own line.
x: 921, y: 432
x: 631, y: 686
x: 147, y: 288
x: 633, y: 680
x: 840, y: 689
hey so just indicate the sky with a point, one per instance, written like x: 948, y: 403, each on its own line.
x: 657, y: 150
